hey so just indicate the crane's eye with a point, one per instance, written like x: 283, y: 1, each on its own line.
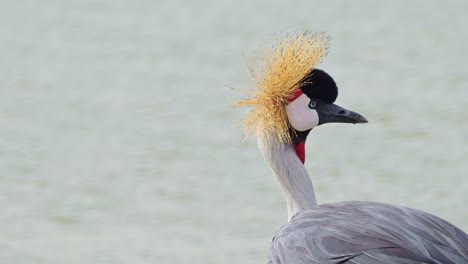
x: 312, y: 104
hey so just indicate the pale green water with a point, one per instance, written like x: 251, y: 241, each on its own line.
x: 118, y: 144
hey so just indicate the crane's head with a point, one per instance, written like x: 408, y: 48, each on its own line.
x: 312, y: 104
x: 291, y: 95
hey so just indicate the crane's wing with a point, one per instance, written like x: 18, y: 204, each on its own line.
x: 367, y: 232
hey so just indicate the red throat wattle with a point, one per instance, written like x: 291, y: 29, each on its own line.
x: 300, y: 150
x: 299, y: 147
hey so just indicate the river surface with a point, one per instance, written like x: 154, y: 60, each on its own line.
x: 119, y: 142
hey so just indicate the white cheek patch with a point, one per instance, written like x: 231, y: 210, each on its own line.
x: 300, y: 116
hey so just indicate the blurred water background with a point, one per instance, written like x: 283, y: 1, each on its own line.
x: 119, y: 144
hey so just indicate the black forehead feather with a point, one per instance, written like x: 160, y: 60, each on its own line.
x: 319, y: 85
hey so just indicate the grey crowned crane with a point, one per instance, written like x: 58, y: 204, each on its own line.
x: 290, y: 99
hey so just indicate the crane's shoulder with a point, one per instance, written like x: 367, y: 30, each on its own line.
x: 368, y: 232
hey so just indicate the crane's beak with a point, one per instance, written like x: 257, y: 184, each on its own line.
x: 332, y: 113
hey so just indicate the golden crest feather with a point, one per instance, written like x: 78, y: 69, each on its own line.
x: 277, y: 74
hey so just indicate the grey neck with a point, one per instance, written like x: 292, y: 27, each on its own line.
x: 291, y: 174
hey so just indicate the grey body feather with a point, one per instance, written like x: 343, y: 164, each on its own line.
x: 368, y: 232
x: 353, y: 232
